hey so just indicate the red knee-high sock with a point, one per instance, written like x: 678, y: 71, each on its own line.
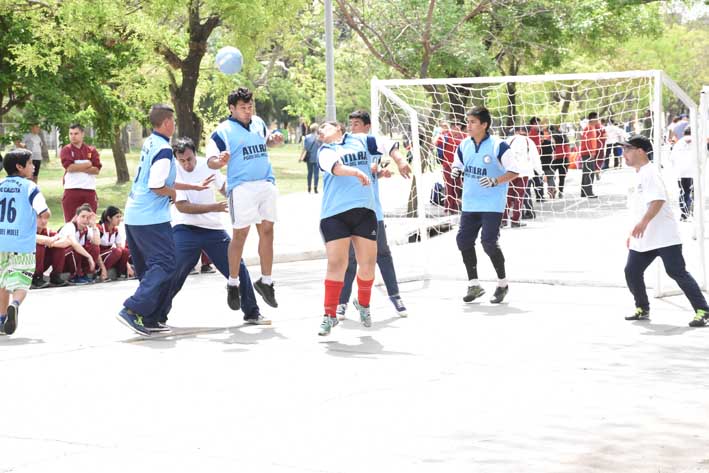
x: 332, y: 296
x: 364, y: 291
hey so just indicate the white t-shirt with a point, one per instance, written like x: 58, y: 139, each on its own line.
x: 662, y: 231
x: 34, y: 144
x: 69, y: 229
x: 684, y: 157
x: 525, y: 154
x: 614, y: 134
x: 211, y: 220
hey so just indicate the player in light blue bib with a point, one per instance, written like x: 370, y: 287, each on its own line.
x: 487, y: 165
x: 240, y: 143
x: 20, y: 203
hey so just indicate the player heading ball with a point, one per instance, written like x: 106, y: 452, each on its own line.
x: 240, y: 142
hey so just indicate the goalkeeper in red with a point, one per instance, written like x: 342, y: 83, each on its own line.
x: 487, y: 165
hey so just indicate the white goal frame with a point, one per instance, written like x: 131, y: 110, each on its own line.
x: 659, y: 80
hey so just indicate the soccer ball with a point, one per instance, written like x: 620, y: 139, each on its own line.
x: 229, y: 60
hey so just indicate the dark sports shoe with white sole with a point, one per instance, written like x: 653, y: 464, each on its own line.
x: 257, y: 320
x: 639, y: 314
x: 10, y: 325
x: 500, y: 294
x: 701, y: 319
x: 233, y: 299
x: 473, y: 293
x: 267, y: 292
x: 133, y: 321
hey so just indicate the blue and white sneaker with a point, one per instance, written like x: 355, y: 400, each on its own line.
x: 327, y: 324
x: 79, y: 281
x: 340, y: 311
x: 399, y: 305
x: 257, y: 319
x: 159, y: 327
x: 364, y: 315
x: 133, y: 321
x: 2, y: 324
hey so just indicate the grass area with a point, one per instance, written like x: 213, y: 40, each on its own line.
x: 290, y: 177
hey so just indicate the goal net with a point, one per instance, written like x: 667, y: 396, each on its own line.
x: 559, y: 236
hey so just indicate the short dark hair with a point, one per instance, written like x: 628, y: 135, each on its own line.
x: 482, y: 114
x: 336, y: 124
x: 183, y: 144
x: 13, y: 158
x: 361, y: 115
x: 241, y: 94
x: 110, y: 212
x: 74, y: 126
x: 534, y: 121
x: 592, y: 116
x: 687, y: 131
x: 84, y: 208
x: 159, y: 113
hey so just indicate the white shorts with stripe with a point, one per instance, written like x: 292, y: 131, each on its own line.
x: 252, y: 202
x: 16, y: 270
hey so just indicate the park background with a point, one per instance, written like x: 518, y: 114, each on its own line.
x: 102, y: 63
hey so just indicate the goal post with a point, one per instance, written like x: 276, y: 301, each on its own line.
x: 415, y: 111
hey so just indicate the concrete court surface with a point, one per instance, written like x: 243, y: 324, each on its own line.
x: 554, y: 380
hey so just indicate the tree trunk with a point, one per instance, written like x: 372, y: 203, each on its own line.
x: 119, y: 157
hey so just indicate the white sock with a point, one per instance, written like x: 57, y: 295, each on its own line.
x: 266, y: 279
x: 233, y: 281
x: 502, y: 282
x: 473, y: 282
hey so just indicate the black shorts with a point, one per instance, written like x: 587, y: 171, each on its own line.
x: 361, y: 222
x: 37, y: 164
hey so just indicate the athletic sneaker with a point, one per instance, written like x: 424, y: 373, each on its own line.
x: 364, y: 315
x: 159, y: 327
x: 399, y: 305
x: 38, y: 282
x: 639, y: 314
x: 700, y: 320
x: 340, y: 312
x: 2, y: 324
x: 327, y: 324
x: 473, y: 293
x: 207, y: 268
x: 500, y: 294
x: 133, y: 321
x: 232, y: 297
x: 267, y: 292
x: 257, y: 319
x: 79, y: 281
x: 10, y: 324
x: 57, y: 281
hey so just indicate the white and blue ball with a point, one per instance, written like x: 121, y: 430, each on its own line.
x: 229, y: 60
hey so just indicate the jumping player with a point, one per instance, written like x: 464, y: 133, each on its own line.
x: 241, y: 141
x: 347, y: 216
x: 487, y: 165
x: 361, y: 123
x: 20, y: 203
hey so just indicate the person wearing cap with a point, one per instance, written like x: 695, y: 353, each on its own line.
x: 683, y: 123
x: 656, y: 233
x: 684, y: 161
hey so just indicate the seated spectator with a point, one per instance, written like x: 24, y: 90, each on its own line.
x: 49, y: 253
x: 113, y: 252
x: 80, y: 260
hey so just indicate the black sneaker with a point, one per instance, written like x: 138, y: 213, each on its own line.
x: 207, y: 268
x: 38, y: 282
x: 158, y: 327
x: 473, y: 293
x: 266, y: 291
x: 232, y: 297
x: 500, y: 294
x: 57, y: 281
x: 640, y: 314
x: 701, y: 319
x: 10, y: 325
x: 257, y: 319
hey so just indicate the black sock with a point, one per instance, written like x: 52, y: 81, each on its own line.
x: 471, y: 263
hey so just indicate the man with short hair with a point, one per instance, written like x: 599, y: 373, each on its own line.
x: 487, y: 166
x: 34, y: 143
x: 148, y: 229
x: 309, y: 155
x: 589, y: 148
x: 240, y: 143
x: 360, y: 122
x: 82, y: 164
x: 197, y: 227
x: 656, y: 233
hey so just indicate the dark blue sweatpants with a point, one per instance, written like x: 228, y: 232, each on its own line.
x: 153, y: 252
x: 190, y: 241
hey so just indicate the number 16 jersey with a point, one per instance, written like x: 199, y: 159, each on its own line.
x: 20, y: 203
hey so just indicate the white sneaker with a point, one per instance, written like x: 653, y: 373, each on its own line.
x: 364, y: 315
x: 341, y: 309
x: 399, y: 305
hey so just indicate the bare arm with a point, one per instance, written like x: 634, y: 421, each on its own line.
x: 80, y: 167
x: 93, y: 170
x: 165, y: 191
x: 190, y: 208
x: 652, y: 210
x: 400, y: 160
x: 342, y: 170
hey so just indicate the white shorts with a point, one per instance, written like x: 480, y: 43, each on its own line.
x: 252, y: 202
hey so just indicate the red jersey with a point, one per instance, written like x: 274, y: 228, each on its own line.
x: 448, y: 142
x: 70, y: 153
x: 590, y: 140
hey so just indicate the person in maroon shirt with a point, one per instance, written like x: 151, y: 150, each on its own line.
x: 82, y: 164
x: 447, y: 142
x: 49, y: 252
x: 588, y: 151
